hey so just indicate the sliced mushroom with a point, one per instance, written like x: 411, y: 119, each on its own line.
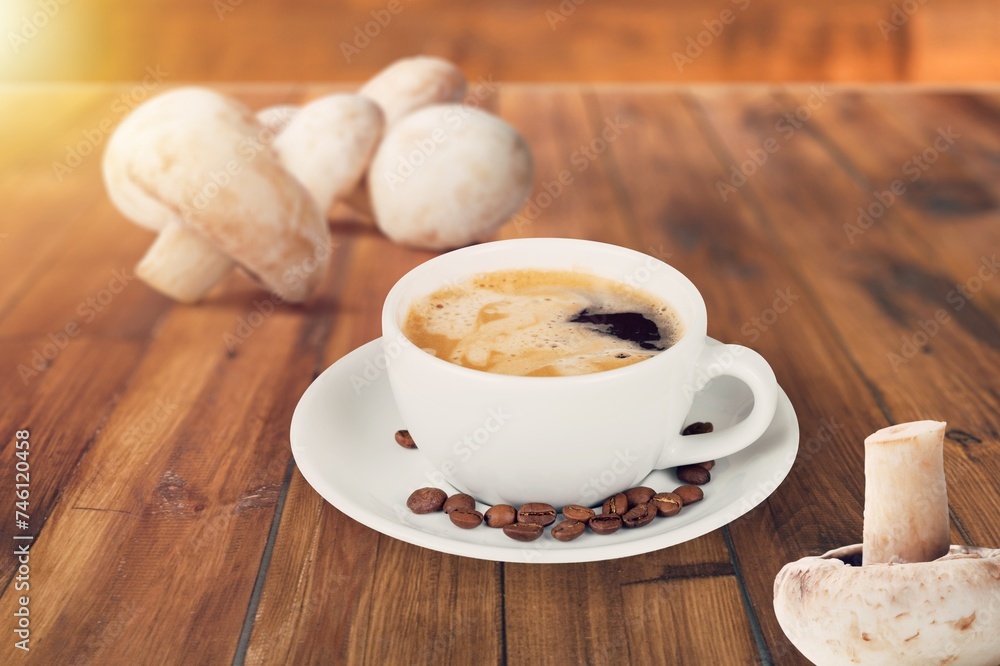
x: 904, y: 596
x: 448, y: 175
x: 196, y: 165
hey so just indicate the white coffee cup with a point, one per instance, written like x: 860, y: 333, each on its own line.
x: 510, y: 439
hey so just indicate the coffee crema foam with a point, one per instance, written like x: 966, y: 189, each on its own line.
x: 542, y: 323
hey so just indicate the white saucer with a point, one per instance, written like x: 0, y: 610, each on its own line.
x: 342, y: 439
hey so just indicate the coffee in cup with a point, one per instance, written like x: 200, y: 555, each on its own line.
x: 542, y: 323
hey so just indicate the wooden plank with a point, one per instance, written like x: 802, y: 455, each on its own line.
x: 919, y: 167
x: 724, y: 247
x: 201, y: 492
x: 774, y: 40
x: 873, y: 295
x: 666, y: 623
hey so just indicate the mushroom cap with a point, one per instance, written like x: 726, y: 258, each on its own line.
x: 411, y: 83
x: 329, y: 143
x: 447, y: 176
x: 277, y: 117
x: 204, y: 158
x: 942, y: 612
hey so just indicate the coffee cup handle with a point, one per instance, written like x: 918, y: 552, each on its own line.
x: 749, y: 367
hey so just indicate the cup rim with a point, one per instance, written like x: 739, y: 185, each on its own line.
x: 391, y: 330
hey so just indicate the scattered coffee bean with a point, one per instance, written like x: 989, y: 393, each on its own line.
x: 537, y: 513
x: 426, y: 500
x: 690, y: 494
x: 500, y: 515
x: 403, y: 439
x: 567, y: 530
x: 605, y: 523
x: 578, y: 513
x: 459, y: 502
x: 639, y: 495
x: 523, y: 531
x: 668, y: 504
x: 615, y: 504
x: 639, y: 515
x: 467, y: 520
x: 693, y: 475
x: 708, y: 464
x: 698, y: 428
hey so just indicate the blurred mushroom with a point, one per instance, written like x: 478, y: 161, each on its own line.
x: 194, y: 165
x: 904, y: 596
x: 402, y: 88
x: 329, y: 143
x: 448, y: 175
x: 413, y: 83
x: 276, y: 118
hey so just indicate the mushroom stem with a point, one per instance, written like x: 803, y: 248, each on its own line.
x: 182, y: 264
x: 906, y: 500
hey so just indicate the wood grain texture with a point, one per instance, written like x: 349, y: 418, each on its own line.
x: 160, y: 431
x: 520, y: 40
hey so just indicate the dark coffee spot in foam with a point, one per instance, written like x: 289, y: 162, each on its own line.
x: 629, y: 326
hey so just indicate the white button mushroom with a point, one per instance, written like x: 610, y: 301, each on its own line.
x: 201, y: 155
x: 413, y: 83
x: 904, y: 596
x: 329, y: 143
x: 448, y: 175
x: 402, y: 88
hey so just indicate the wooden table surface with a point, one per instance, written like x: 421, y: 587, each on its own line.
x: 170, y: 524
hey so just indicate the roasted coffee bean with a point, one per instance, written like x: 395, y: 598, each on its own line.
x: 537, y: 513
x: 567, y: 530
x: 615, y: 504
x: 459, y: 502
x: 467, y: 520
x: 426, y: 500
x: 523, y: 531
x: 403, y: 439
x: 639, y: 515
x: 690, y: 494
x: 605, y: 523
x: 578, y: 513
x: 639, y: 495
x: 698, y: 428
x: 500, y: 515
x: 693, y: 474
x: 667, y: 504
x: 708, y: 464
